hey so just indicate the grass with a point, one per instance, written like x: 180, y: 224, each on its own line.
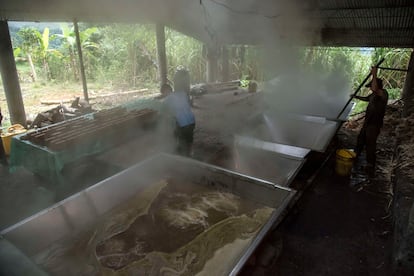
x: 34, y: 92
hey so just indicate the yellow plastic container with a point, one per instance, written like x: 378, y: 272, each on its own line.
x: 7, y: 136
x: 344, y: 161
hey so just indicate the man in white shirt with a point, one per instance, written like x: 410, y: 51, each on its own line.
x: 178, y: 105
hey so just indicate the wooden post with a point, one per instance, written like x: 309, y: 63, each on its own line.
x: 82, y: 67
x: 10, y: 78
x: 162, y: 57
x: 225, y: 64
x: 211, y: 64
x: 408, y: 91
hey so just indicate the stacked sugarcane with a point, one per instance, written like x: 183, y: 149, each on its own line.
x: 82, y: 130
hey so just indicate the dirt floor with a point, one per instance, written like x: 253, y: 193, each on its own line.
x: 336, y: 230
x: 338, y: 226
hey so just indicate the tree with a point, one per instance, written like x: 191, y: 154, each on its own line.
x: 36, y: 47
x: 69, y: 49
x: 44, y: 50
x: 186, y: 51
x: 30, y: 38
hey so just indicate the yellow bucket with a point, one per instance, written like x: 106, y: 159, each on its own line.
x: 344, y: 161
x: 7, y: 136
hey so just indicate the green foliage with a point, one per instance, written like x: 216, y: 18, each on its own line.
x: 28, y: 39
x: 394, y: 58
x: 394, y: 93
x: 185, y: 51
x: 353, y: 63
x: 17, y: 52
x: 393, y: 80
x: 244, y: 83
x: 35, y: 46
x: 65, y: 63
x: 45, y: 39
x: 245, y: 63
x: 360, y: 106
x: 125, y: 56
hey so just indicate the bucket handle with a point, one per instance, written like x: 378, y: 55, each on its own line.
x: 351, y: 156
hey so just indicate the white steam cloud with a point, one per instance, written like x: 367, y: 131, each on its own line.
x: 282, y: 29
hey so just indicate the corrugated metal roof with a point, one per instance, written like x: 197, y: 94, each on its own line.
x: 381, y: 23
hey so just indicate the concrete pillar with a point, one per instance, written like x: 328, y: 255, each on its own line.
x: 10, y: 78
x: 212, y: 66
x: 225, y: 64
x: 408, y: 91
x: 162, y: 57
x: 82, y: 67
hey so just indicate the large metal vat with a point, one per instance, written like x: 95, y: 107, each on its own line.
x: 272, y: 162
x: 95, y: 216
x: 303, y: 131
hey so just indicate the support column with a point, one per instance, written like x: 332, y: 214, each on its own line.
x: 10, y: 78
x: 408, y: 91
x: 82, y: 67
x: 162, y: 57
x: 225, y: 64
x: 212, y: 67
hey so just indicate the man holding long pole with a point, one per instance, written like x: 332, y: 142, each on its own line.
x: 374, y: 117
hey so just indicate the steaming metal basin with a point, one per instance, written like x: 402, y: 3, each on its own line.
x: 88, y: 208
x: 272, y: 162
x: 303, y: 131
